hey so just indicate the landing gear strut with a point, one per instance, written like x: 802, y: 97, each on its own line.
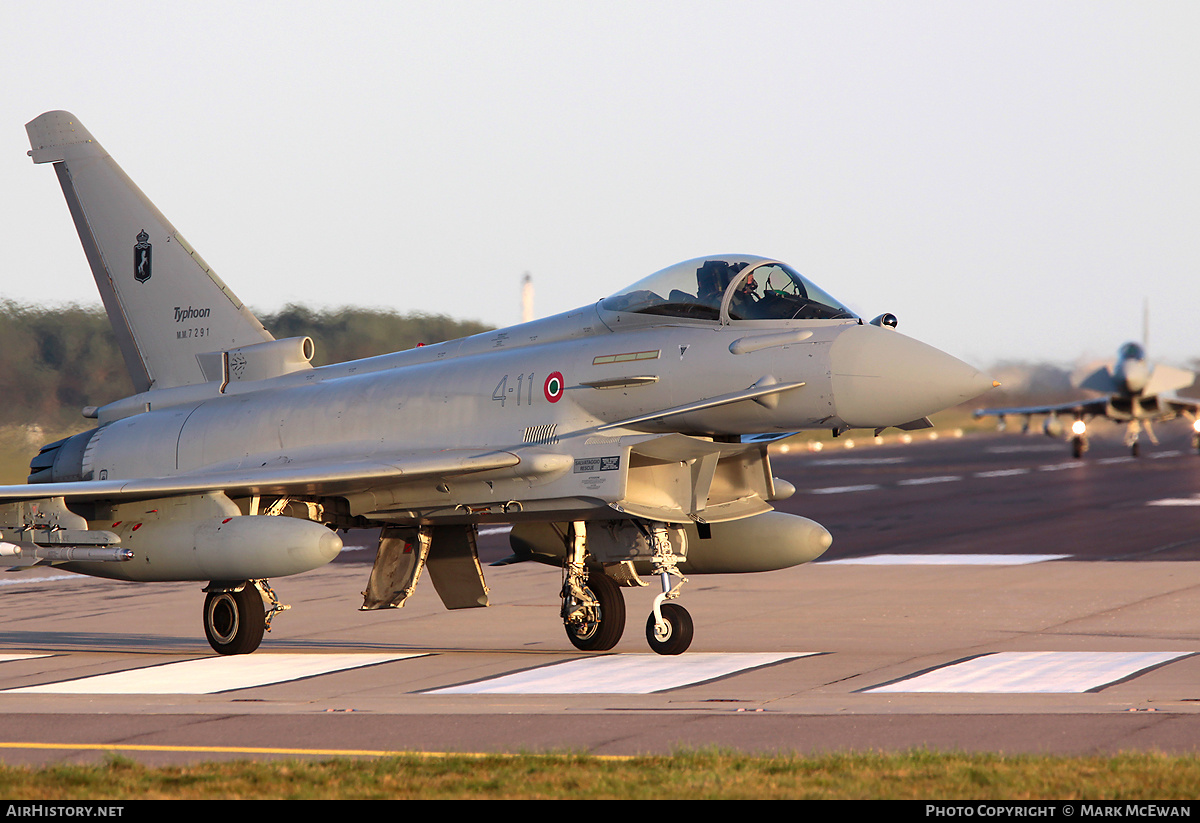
x: 1078, y: 446
x: 593, y: 610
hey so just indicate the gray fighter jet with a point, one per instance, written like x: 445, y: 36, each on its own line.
x: 624, y: 439
x: 1130, y: 389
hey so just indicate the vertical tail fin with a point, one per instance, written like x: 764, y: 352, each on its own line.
x: 166, y: 306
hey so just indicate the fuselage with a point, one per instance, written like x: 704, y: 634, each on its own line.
x: 540, y: 382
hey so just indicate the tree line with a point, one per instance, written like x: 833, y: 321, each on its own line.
x: 56, y: 360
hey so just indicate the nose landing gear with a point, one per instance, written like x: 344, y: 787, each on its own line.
x: 669, y: 628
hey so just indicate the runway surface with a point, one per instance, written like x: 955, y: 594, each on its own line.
x: 983, y: 593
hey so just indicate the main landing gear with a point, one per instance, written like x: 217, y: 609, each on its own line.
x: 235, y: 616
x: 593, y: 609
x: 1079, y: 443
x: 595, y: 615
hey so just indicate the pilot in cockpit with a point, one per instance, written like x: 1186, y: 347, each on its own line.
x: 748, y: 290
x: 744, y: 297
x: 714, y: 277
x: 711, y: 280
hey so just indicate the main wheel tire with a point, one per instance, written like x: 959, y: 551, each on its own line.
x: 234, y: 621
x: 603, y: 633
x: 676, y: 633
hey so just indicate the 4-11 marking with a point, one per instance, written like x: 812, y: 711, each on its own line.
x: 502, y: 389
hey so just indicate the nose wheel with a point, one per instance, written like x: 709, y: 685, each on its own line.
x: 672, y: 632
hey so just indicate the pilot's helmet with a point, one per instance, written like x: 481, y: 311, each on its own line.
x: 712, y: 277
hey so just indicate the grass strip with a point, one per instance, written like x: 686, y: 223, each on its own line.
x: 916, y: 775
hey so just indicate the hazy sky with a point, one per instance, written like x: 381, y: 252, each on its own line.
x: 1012, y: 179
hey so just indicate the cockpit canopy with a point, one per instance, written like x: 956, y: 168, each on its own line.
x: 1132, y: 351
x: 728, y: 287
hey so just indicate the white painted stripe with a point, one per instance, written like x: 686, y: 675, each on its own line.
x: 1108, y: 461
x: 1054, y: 467
x: 1168, y: 453
x: 946, y: 559
x: 1032, y: 672
x: 845, y: 489
x: 925, y: 481
x: 621, y: 674
x: 6, y: 658
x: 210, y: 675
x: 1012, y: 449
x: 1002, y: 473
x: 58, y: 578
x: 505, y: 529
x: 856, y: 461
x: 1175, y: 501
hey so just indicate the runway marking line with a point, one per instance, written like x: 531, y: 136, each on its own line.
x: 1057, y: 467
x: 844, y: 489
x: 1031, y: 673
x: 924, y: 481
x: 622, y: 674
x: 211, y: 675
x: 857, y: 461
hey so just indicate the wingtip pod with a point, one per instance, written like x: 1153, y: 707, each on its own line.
x: 58, y: 135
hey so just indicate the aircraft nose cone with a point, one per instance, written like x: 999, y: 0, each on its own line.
x: 882, y: 378
x: 1136, y: 375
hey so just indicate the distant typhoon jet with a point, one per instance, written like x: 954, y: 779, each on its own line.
x: 1131, y: 391
x: 624, y: 439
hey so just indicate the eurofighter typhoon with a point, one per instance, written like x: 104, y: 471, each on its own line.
x: 624, y: 440
x: 1130, y: 390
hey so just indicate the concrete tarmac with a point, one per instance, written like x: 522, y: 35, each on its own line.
x: 935, y: 621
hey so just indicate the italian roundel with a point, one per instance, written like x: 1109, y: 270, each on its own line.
x: 554, y: 387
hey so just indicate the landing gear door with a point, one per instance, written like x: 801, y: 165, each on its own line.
x: 454, y: 568
x: 398, y: 563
